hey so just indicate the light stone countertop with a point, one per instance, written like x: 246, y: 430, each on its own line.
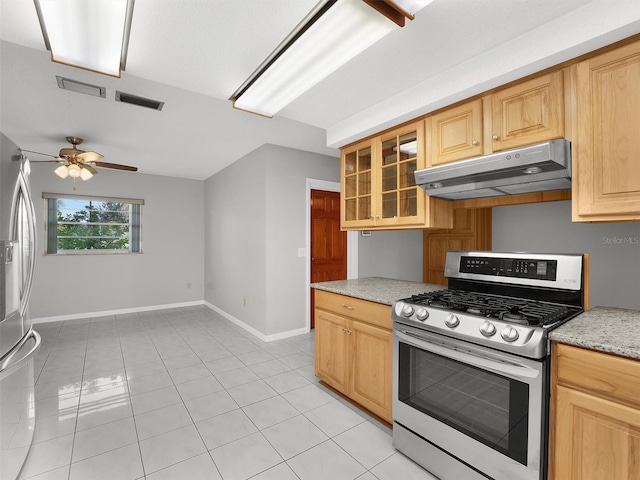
x: 377, y: 289
x: 606, y: 329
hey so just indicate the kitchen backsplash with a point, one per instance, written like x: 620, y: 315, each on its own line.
x: 614, y: 248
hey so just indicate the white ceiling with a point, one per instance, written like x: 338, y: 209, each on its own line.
x: 194, y: 55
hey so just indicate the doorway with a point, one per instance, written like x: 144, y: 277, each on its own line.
x: 351, y: 242
x: 328, y: 242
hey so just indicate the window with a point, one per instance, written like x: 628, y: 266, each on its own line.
x: 84, y: 224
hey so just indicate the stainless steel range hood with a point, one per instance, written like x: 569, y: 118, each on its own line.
x: 534, y: 168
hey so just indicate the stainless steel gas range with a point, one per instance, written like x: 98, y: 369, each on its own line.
x: 471, y: 364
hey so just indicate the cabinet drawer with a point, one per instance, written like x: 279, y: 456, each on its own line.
x: 605, y: 375
x: 369, y: 312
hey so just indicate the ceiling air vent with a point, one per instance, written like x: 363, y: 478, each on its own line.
x: 140, y: 101
x: 80, y: 87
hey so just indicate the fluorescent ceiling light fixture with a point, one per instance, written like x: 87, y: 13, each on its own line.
x: 331, y: 35
x: 412, y: 6
x: 90, y: 34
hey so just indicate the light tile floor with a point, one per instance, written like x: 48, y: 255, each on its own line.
x: 186, y: 394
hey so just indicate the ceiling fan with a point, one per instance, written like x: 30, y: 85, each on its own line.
x: 79, y: 163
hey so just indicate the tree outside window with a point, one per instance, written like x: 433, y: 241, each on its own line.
x: 92, y: 225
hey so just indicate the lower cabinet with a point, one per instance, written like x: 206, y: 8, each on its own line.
x: 596, y: 421
x: 354, y: 343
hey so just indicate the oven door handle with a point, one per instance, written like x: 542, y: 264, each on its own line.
x: 496, y: 364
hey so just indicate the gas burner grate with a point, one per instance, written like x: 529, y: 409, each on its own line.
x: 509, y: 309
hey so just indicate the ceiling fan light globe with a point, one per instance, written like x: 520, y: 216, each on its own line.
x: 62, y: 171
x: 85, y: 174
x: 74, y: 171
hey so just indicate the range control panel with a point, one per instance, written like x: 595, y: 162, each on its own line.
x: 510, y: 267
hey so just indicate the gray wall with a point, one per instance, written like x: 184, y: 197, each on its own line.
x: 614, y: 248
x: 255, y: 222
x: 172, y: 242
x: 235, y: 246
x: 391, y: 254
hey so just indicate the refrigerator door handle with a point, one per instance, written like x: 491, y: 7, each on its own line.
x: 16, y: 357
x: 31, y: 214
x: 22, y: 199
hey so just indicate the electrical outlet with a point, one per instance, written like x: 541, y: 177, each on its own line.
x: 244, y: 301
x: 189, y: 285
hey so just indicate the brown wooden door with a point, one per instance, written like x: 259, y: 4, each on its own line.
x: 328, y: 242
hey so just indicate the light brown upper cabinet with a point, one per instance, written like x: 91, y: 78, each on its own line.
x: 594, y: 101
x: 523, y: 114
x: 378, y: 188
x: 529, y: 112
x: 456, y: 133
x: 606, y: 151
x: 357, y: 182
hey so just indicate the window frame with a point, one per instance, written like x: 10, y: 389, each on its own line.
x: 51, y: 224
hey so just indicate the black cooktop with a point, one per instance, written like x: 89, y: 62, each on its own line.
x: 511, y: 309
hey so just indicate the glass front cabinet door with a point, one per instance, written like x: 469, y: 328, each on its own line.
x: 401, y: 154
x: 356, y: 186
x: 378, y: 184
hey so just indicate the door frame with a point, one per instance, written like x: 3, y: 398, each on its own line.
x: 352, y: 242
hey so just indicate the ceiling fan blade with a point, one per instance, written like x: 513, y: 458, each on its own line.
x: 57, y: 160
x: 40, y: 153
x: 115, y: 166
x: 88, y: 167
x: 89, y: 156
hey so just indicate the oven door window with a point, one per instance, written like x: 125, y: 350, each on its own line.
x: 483, y: 405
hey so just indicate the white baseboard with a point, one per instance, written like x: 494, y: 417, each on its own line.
x: 122, y: 311
x: 253, y: 331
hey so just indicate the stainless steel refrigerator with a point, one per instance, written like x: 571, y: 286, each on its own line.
x: 18, y: 341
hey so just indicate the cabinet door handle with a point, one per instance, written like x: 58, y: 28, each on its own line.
x: 348, y: 332
x: 496, y: 136
x: 475, y: 142
x: 348, y: 307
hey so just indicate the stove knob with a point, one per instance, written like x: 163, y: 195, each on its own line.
x: 488, y: 329
x: 509, y: 334
x: 451, y: 321
x: 422, y: 314
x: 407, y: 310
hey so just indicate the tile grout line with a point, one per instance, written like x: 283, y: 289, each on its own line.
x: 187, y: 329
x: 135, y: 424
